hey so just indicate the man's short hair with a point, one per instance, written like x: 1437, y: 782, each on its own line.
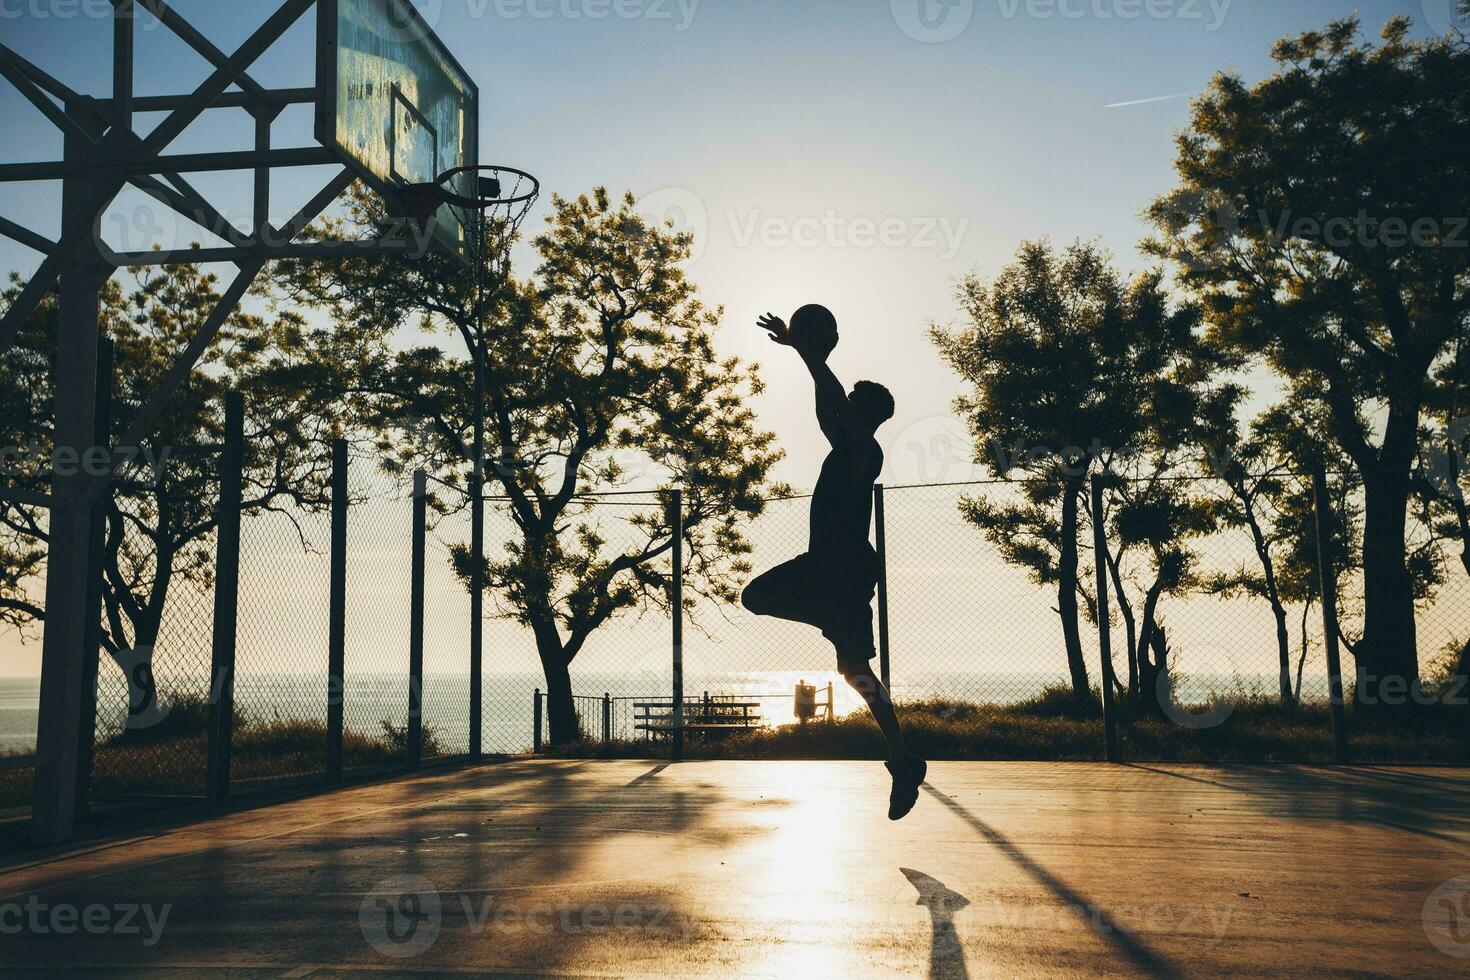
x: 874, y: 401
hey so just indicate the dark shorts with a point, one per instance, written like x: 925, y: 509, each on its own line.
x: 833, y: 593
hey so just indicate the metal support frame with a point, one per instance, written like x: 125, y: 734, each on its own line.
x: 416, y: 621
x: 101, y: 436
x: 73, y: 496
x: 337, y: 612
x: 880, y: 535
x: 226, y: 601
x: 676, y: 604
x: 536, y: 722
x: 102, y: 155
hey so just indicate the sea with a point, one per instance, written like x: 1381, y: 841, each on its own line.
x: 508, y: 699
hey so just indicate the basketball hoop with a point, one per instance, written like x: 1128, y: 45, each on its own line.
x: 489, y: 184
x: 490, y: 202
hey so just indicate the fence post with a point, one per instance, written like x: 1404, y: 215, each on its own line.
x: 1326, y: 569
x: 416, y: 621
x: 536, y: 722
x: 606, y: 718
x: 1104, y: 624
x: 101, y: 437
x: 337, y: 616
x: 676, y: 600
x: 880, y: 533
x: 226, y: 601
x: 477, y: 588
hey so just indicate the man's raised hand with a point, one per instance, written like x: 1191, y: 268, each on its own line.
x: 776, y: 327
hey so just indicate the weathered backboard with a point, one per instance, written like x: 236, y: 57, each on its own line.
x: 394, y: 102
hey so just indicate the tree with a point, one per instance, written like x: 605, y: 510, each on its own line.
x: 1314, y: 220
x: 601, y: 373
x: 1151, y: 511
x: 1442, y: 472
x: 1069, y: 365
x: 160, y: 517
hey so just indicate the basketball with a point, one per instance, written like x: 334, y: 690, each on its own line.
x: 815, y: 328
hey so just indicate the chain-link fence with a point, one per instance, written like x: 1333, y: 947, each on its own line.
x: 975, y: 629
x: 975, y: 632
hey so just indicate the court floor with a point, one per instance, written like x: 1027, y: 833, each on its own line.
x: 789, y: 869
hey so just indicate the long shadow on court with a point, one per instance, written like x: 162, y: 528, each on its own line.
x: 1139, y: 955
x: 946, y: 952
x: 1436, y: 807
x: 498, y: 855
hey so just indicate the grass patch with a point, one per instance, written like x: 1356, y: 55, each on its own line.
x: 1054, y: 726
x: 169, y: 758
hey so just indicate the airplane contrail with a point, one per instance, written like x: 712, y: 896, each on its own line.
x: 1157, y: 98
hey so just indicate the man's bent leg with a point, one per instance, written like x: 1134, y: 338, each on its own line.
x: 790, y: 591
x: 860, y: 676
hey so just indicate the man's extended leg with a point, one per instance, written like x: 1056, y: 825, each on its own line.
x: 908, y: 770
x: 860, y: 675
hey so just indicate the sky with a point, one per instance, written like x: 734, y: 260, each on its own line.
x: 863, y: 154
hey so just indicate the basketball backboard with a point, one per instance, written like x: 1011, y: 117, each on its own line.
x: 394, y: 103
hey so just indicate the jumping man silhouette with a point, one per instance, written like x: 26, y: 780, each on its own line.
x: 831, y: 586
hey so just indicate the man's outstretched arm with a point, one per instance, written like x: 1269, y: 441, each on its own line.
x: 833, y: 410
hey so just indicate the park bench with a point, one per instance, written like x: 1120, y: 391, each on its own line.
x: 719, y: 715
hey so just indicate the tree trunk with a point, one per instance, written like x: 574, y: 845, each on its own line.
x: 1273, y: 594
x: 1388, y: 657
x: 1153, y: 671
x: 1067, y: 591
x: 1130, y: 625
x: 561, y: 712
x: 1283, y: 649
x: 1149, y: 639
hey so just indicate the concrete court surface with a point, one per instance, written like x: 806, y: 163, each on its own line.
x: 779, y: 869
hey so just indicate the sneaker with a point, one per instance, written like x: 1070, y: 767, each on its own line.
x: 908, y: 775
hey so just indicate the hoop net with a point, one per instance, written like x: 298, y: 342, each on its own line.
x: 492, y: 218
